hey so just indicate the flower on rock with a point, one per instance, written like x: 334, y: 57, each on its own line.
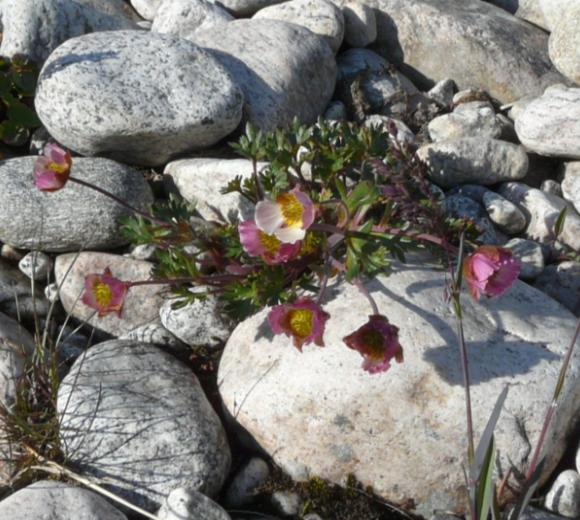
x: 258, y: 243
x: 52, y: 169
x: 490, y: 270
x: 303, y: 320
x: 105, y: 293
x: 287, y: 218
x: 377, y: 341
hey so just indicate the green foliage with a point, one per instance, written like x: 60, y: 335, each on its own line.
x: 18, y: 78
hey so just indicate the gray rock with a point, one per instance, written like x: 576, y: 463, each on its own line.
x: 508, y: 129
x: 551, y: 187
x: 404, y: 133
x: 37, y: 27
x: 528, y: 10
x: 530, y: 254
x: 564, y: 44
x: 443, y: 92
x: 183, y: 17
x: 188, y: 504
x: 73, y: 218
x: 366, y: 84
x: 138, y: 419
x: 474, y: 160
x: 571, y: 183
x: 52, y: 500
x: 11, y: 254
x: 141, y: 305
x: 146, y: 8
x: 36, y: 265
x: 287, y: 503
x: 470, y: 94
x: 550, y: 125
x: 474, y: 119
x: 360, y: 23
x: 504, y: 214
x: 284, y: 70
x: 458, y: 206
x: 562, y: 282
x: 311, y: 516
x: 335, y: 111
x: 541, y: 211
x: 140, y: 107
x: 532, y: 513
x: 473, y: 191
x: 321, y: 17
x: 517, y: 108
x: 246, y: 482
x: 564, y: 495
x: 200, y: 180
x: 417, y: 409
x: 13, y: 284
x: 197, y: 324
x: 155, y: 333
x: 51, y: 292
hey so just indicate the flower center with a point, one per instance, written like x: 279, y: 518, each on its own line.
x: 58, y: 168
x: 291, y: 209
x: 374, y: 342
x: 102, y: 293
x: 270, y: 242
x: 301, y: 322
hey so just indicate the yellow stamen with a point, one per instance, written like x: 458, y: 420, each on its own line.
x: 301, y: 322
x: 374, y: 342
x: 291, y: 208
x: 58, y: 167
x: 270, y: 242
x: 102, y: 293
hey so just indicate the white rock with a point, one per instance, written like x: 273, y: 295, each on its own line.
x: 564, y: 43
x: 37, y: 27
x: 155, y: 333
x: 284, y: 70
x: 75, y: 217
x: 530, y: 254
x: 517, y: 108
x: 51, y: 292
x: 188, y: 504
x: 552, y: 187
x: 138, y: 419
x: 140, y: 107
x: 443, y: 92
x: 200, y: 180
x: 541, y: 211
x: 197, y: 324
x: 246, y: 482
x: 550, y: 125
x: 141, y: 304
x: 504, y: 214
x: 286, y: 502
x: 143, y: 252
x: 474, y: 119
x: 360, y: 23
x: 571, y: 183
x: 562, y: 282
x: 183, y: 17
x: 319, y: 413
x: 321, y: 17
x: 50, y: 500
x: 146, y: 8
x: 556, y: 10
x: 36, y: 265
x: 564, y: 495
x: 474, y: 160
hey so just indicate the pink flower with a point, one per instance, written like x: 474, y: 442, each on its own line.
x: 303, y: 320
x: 490, y: 270
x: 287, y: 218
x: 52, y: 169
x: 257, y: 243
x: 105, y: 293
x: 378, y: 342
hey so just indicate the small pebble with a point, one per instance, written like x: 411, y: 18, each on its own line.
x: 244, y: 485
x: 287, y: 503
x: 564, y: 495
x: 36, y: 265
x: 335, y: 111
x: 442, y: 92
x: 530, y: 254
x: 51, y: 292
x: 503, y: 213
x: 143, y: 252
x: 552, y: 187
x: 11, y: 254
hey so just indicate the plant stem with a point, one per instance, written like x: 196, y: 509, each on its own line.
x: 119, y: 201
x: 554, y: 404
x: 259, y: 189
x: 360, y: 286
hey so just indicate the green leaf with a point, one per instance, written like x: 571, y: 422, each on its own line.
x: 363, y: 194
x: 485, y: 487
x: 559, y: 226
x: 527, y: 492
x: 23, y: 115
x: 13, y: 134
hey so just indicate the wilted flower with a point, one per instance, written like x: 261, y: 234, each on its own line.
x: 304, y: 320
x: 378, y: 342
x: 288, y: 217
x: 258, y: 243
x: 490, y: 270
x: 52, y: 169
x: 105, y: 293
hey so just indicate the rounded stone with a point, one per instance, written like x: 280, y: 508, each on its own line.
x: 137, y: 96
x: 36, y: 265
x: 52, y: 500
x: 530, y: 255
x: 416, y: 410
x: 360, y: 23
x: 138, y: 420
x: 571, y: 183
x: 562, y: 282
x: 504, y: 214
x: 188, y: 504
x: 246, y: 482
x: 564, y: 45
x: 73, y: 218
x: 564, y: 495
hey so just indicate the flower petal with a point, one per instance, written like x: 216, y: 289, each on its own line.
x: 268, y: 216
x: 290, y: 235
